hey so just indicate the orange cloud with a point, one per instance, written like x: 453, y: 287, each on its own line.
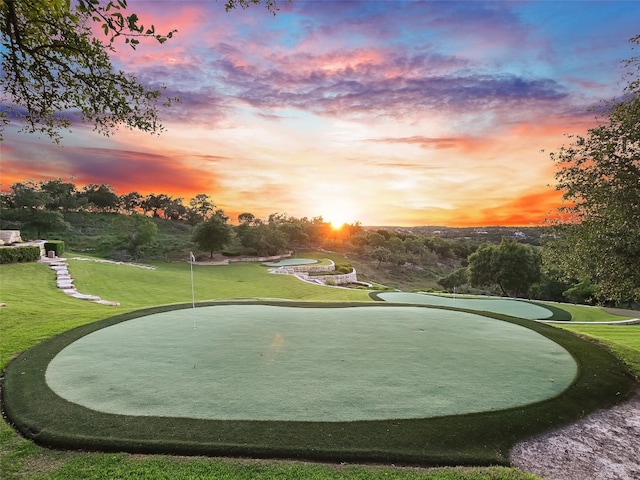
x: 529, y: 208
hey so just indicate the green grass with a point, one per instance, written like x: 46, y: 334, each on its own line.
x: 37, y: 310
x: 583, y: 313
x: 171, y: 283
x: 472, y: 439
x: 623, y: 340
x: 504, y: 306
x: 94, y: 466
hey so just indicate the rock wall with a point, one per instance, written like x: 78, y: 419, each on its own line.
x: 330, y: 279
x: 9, y: 236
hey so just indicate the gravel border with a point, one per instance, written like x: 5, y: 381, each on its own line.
x: 602, y: 446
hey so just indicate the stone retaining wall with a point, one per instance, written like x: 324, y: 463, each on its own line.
x: 312, y: 268
x: 331, y: 279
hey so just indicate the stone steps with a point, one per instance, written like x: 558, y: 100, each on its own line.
x: 65, y: 283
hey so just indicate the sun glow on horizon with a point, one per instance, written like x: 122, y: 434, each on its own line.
x: 338, y: 214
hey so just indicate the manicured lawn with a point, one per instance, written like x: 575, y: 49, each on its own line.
x: 584, y: 313
x: 482, y: 438
x: 171, y: 283
x: 100, y: 466
x: 37, y: 310
x: 623, y: 340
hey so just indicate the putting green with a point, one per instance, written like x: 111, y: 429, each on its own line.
x: 515, y: 308
x: 266, y: 362
x: 290, y: 262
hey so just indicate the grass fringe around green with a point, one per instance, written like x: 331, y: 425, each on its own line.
x: 473, y: 439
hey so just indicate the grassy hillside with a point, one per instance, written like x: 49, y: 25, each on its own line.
x: 93, y: 234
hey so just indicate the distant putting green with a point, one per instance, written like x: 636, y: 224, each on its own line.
x: 515, y: 308
x: 262, y: 362
x: 290, y: 262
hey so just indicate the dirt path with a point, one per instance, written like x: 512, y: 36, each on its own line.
x: 603, y: 446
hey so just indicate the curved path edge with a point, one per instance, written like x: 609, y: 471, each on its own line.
x: 631, y: 321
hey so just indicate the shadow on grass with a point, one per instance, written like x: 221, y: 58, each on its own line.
x: 473, y: 439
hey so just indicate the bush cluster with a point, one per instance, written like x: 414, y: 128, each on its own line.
x: 344, y: 268
x: 19, y: 254
x: 56, y: 246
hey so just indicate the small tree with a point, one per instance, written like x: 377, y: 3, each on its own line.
x: 455, y: 279
x: 134, y: 231
x: 129, y: 202
x: 44, y: 221
x: 202, y: 205
x: 582, y: 292
x: 175, y: 210
x: 212, y: 234
x: 29, y: 207
x: 63, y: 195
x: 102, y: 197
x: 512, y: 266
x: 28, y: 195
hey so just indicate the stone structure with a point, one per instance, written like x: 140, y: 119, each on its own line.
x: 65, y: 283
x: 8, y: 237
x: 330, y: 279
x: 303, y: 272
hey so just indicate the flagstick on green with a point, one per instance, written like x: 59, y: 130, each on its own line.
x: 192, y: 259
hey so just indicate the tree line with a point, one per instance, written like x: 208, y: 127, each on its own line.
x: 510, y: 267
x: 59, y: 196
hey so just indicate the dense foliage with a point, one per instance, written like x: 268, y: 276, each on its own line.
x: 19, y: 254
x: 134, y: 231
x: 514, y: 267
x: 213, y: 234
x: 599, y: 175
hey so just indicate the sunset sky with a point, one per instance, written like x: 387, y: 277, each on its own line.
x: 383, y: 112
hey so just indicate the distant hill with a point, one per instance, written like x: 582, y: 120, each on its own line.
x: 532, y: 235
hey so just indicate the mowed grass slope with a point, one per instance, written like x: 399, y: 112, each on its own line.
x: 171, y: 283
x: 622, y: 340
x: 36, y: 309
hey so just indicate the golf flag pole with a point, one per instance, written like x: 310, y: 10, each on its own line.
x: 192, y: 259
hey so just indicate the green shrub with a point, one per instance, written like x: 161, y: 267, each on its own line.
x: 56, y: 246
x: 344, y: 268
x: 19, y: 254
